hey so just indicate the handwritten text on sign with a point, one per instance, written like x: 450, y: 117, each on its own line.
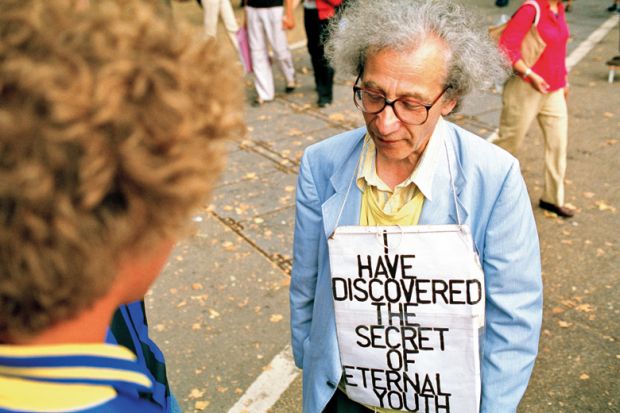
x: 409, y: 303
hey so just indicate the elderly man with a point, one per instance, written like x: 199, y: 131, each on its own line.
x: 414, y: 61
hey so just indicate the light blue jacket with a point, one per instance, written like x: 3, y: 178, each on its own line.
x: 493, y: 201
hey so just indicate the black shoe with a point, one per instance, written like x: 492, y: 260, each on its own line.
x: 290, y: 88
x: 559, y: 210
x: 615, y: 61
x: 324, y: 102
x: 613, y: 7
x: 501, y: 3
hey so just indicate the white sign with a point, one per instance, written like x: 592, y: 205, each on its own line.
x: 409, y: 305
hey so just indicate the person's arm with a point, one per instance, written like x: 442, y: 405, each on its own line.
x: 308, y: 227
x: 288, y: 21
x: 511, y: 263
x: 515, y: 32
x: 511, y: 40
x: 536, y: 80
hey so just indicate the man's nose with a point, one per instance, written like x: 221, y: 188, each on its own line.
x: 387, y: 121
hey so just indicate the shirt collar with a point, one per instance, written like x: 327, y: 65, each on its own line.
x: 422, y: 176
x: 93, y: 363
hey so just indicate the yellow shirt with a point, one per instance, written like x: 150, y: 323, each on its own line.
x: 389, y: 201
x: 402, y: 206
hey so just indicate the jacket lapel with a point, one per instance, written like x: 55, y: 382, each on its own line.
x: 442, y: 209
x: 341, y: 180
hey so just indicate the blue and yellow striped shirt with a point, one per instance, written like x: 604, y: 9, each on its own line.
x: 130, y: 329
x: 80, y: 378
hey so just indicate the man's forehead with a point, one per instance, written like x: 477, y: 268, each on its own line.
x: 411, y: 72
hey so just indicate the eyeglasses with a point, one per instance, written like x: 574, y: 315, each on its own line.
x: 407, y: 110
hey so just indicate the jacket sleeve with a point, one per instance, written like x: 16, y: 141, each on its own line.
x: 515, y: 32
x: 511, y: 262
x: 308, y: 228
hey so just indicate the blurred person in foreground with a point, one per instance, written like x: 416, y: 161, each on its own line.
x: 414, y: 61
x: 539, y: 92
x: 111, y: 133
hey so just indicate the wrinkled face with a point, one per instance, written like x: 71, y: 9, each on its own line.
x: 418, y: 75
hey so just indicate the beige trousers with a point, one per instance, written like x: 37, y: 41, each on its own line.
x: 265, y: 29
x: 212, y: 9
x: 521, y: 103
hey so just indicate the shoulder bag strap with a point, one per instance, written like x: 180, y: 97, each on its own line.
x: 537, y: 7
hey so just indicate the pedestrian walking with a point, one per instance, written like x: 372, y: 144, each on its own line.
x: 317, y: 14
x: 266, y: 21
x: 212, y: 10
x: 111, y: 136
x: 414, y: 61
x: 539, y: 92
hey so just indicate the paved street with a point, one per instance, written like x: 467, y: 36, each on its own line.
x: 220, y: 310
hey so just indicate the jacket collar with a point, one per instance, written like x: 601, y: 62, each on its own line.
x: 441, y: 210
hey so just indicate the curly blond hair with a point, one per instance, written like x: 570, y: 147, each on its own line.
x: 113, y: 127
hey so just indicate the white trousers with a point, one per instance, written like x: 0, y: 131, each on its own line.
x: 521, y: 103
x: 214, y: 8
x: 265, y: 25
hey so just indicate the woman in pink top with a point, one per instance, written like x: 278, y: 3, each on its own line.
x: 539, y: 92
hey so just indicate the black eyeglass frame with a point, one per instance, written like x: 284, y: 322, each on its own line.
x: 388, y: 102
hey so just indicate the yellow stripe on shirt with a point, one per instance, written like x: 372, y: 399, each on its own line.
x: 95, y: 349
x: 31, y: 396
x: 78, y: 373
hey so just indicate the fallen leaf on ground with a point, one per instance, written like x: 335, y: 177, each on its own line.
x: 201, y: 405
x: 583, y: 376
x: 604, y: 206
x: 564, y: 324
x: 195, y: 393
x: 275, y: 318
x: 338, y: 117
x: 584, y: 308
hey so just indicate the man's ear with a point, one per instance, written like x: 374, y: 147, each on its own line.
x: 448, y: 107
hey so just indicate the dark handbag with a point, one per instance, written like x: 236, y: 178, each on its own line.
x: 533, y: 45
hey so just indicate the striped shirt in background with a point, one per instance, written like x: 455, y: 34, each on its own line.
x: 80, y: 378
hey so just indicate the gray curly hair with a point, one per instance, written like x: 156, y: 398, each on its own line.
x: 368, y: 26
